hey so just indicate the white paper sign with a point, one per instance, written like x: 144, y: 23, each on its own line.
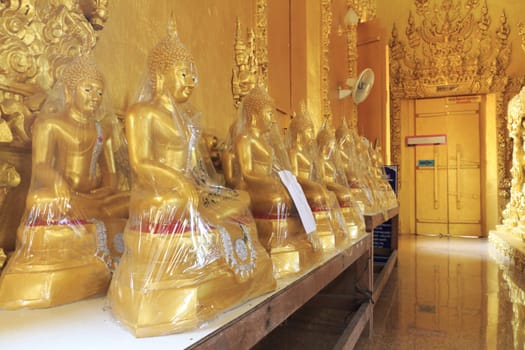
x: 296, y: 192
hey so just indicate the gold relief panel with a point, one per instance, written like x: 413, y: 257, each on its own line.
x: 35, y: 39
x: 246, y: 71
x: 450, y: 49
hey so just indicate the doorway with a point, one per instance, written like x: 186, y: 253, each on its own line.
x: 448, y: 175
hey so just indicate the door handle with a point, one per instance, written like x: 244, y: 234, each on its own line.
x: 436, y: 188
x: 458, y: 178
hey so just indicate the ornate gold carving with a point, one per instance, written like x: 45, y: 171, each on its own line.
x: 246, y: 68
x: 351, y: 53
x: 9, y: 178
x: 261, y: 36
x: 506, y: 249
x: 35, y: 39
x: 449, y: 50
x: 326, y: 28
x: 365, y: 9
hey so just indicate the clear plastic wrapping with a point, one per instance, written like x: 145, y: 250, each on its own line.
x: 74, y: 200
x: 259, y: 154
x: 381, y: 178
x: 331, y: 171
x: 304, y: 156
x: 356, y: 173
x: 191, y: 247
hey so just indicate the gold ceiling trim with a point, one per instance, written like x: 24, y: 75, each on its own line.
x: 261, y: 37
x: 326, y: 28
x: 450, y: 50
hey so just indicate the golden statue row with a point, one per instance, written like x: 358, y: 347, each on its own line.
x: 190, y: 247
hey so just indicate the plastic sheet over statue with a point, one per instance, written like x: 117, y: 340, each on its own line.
x: 331, y: 171
x: 191, y: 245
x: 381, y: 178
x: 304, y: 156
x: 356, y: 171
x: 263, y: 163
x: 74, y: 199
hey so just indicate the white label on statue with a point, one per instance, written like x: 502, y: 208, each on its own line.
x: 296, y: 192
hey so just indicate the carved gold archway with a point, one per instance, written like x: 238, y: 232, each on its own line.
x: 451, y: 50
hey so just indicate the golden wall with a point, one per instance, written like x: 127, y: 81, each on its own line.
x: 207, y: 28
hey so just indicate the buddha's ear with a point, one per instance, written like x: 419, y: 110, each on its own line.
x: 68, y: 96
x: 253, y: 119
x: 158, y: 82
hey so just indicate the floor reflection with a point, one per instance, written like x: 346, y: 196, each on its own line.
x: 449, y: 293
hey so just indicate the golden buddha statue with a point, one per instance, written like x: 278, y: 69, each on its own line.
x: 330, y: 171
x: 261, y: 154
x: 379, y: 176
x: 61, y: 253
x: 191, y: 247
x: 353, y: 169
x: 514, y: 213
x: 369, y: 172
x: 302, y: 149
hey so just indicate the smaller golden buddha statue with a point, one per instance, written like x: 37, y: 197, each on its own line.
x: 369, y: 172
x: 376, y: 170
x: 302, y: 149
x: 61, y: 253
x: 331, y: 172
x: 379, y: 175
x: 353, y: 170
x: 191, y: 245
x: 261, y: 155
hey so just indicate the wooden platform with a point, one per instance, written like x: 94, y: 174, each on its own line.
x: 89, y: 324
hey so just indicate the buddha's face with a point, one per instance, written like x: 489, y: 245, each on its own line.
x: 308, y: 134
x: 180, y: 81
x: 267, y: 117
x: 88, y: 96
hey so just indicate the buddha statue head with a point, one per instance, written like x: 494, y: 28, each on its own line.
x: 172, y: 68
x: 258, y: 110
x: 342, y: 134
x: 326, y: 141
x: 84, y: 87
x: 301, y: 130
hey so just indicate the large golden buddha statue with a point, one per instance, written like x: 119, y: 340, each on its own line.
x: 191, y: 247
x: 332, y: 174
x: 514, y: 213
x: 261, y: 155
x: 303, y: 152
x: 354, y: 170
x: 61, y: 253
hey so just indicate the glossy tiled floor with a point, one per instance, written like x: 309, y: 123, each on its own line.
x: 449, y: 293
